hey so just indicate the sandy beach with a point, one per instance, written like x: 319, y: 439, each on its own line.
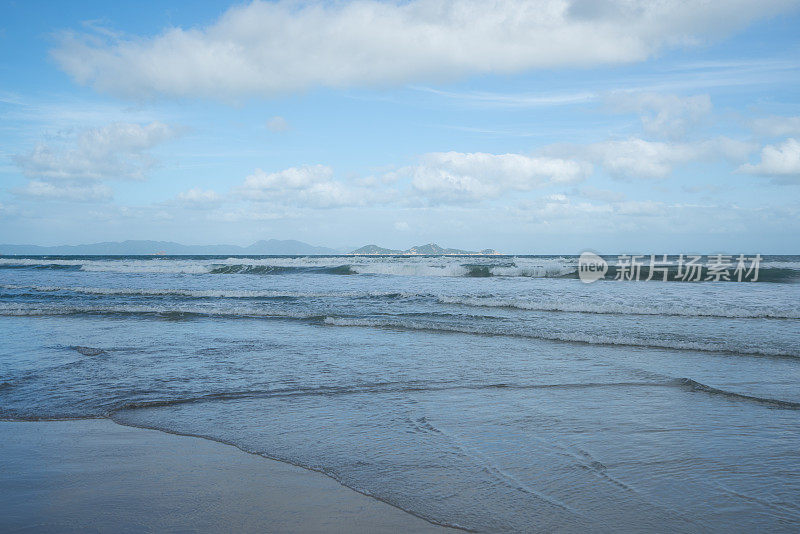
x: 98, y: 476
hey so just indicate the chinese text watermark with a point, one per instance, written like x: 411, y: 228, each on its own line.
x: 662, y: 267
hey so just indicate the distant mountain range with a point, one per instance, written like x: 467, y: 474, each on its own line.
x: 431, y: 249
x: 269, y: 247
x: 274, y: 247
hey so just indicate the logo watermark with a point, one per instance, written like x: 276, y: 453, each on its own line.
x: 591, y: 267
x: 681, y: 268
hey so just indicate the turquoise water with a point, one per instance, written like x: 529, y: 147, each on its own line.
x: 491, y: 393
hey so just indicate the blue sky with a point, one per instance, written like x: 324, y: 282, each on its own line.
x: 531, y: 127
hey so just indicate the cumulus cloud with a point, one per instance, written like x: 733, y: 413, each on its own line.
x: 664, y: 115
x: 457, y: 176
x: 72, y: 169
x: 638, y: 158
x: 441, y: 178
x: 308, y: 186
x: 261, y: 182
x: 118, y: 150
x: 781, y: 161
x: 264, y: 48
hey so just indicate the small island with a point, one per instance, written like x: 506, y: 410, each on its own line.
x: 431, y: 249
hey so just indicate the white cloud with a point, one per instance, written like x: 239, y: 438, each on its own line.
x: 199, y: 196
x: 116, y: 151
x: 637, y: 158
x: 451, y: 177
x: 511, y: 100
x: 308, y: 186
x: 306, y: 176
x: 75, y: 168
x: 264, y: 48
x: 779, y: 161
x: 777, y: 126
x: 277, y: 124
x: 457, y: 176
x: 664, y: 115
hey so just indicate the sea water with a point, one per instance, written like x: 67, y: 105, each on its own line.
x: 490, y: 393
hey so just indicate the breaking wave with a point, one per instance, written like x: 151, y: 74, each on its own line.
x: 427, y: 266
x: 279, y: 269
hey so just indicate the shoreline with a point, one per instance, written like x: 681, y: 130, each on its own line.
x: 97, y: 474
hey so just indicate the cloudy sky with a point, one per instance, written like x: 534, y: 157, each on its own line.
x: 547, y: 126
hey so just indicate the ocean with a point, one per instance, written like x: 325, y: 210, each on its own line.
x: 490, y: 393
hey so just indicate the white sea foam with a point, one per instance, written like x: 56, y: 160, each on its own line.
x: 534, y: 271
x: 414, y: 266
x: 534, y: 267
x: 410, y: 269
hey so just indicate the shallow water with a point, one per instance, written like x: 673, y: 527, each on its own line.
x: 492, y: 393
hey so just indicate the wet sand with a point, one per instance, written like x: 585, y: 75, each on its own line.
x: 98, y: 476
